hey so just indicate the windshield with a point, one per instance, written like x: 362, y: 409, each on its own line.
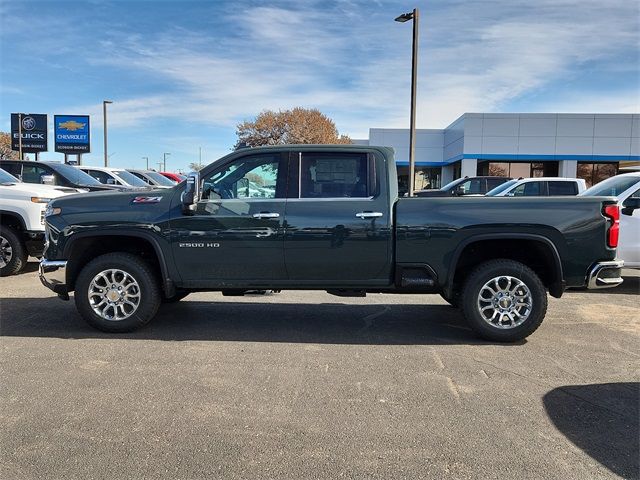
x: 6, y: 177
x: 612, y: 187
x: 451, y: 185
x: 129, y: 178
x: 501, y: 188
x: 160, y: 179
x: 74, y: 175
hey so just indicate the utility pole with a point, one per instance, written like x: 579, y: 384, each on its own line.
x: 147, y: 159
x: 414, y: 78
x: 164, y: 161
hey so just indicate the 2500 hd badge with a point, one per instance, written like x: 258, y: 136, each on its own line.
x: 198, y: 245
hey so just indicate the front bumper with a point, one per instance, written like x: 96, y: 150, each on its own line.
x: 605, y: 274
x: 53, y: 275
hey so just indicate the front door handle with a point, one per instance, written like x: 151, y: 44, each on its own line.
x: 369, y: 214
x: 266, y: 215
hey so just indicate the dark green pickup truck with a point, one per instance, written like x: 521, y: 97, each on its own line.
x: 324, y: 218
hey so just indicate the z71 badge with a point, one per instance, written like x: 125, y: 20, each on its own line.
x: 146, y: 200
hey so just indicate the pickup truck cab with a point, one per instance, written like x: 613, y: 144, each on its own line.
x: 22, y: 207
x: 324, y: 217
x: 539, y: 187
x: 465, y: 186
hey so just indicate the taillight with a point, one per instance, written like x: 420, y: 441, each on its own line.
x: 612, y: 212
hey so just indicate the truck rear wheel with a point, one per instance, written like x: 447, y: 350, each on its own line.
x: 13, y: 255
x: 504, y: 300
x: 117, y: 292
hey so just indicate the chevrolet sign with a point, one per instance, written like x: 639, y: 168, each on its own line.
x: 72, y: 133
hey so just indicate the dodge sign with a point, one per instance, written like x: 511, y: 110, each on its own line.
x: 72, y: 133
x: 33, y: 130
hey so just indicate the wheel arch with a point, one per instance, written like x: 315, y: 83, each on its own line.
x: 16, y: 219
x: 85, y: 246
x: 504, y: 245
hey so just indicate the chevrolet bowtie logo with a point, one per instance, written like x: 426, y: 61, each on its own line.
x: 71, y: 125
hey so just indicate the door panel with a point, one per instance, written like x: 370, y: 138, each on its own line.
x: 237, y: 231
x: 338, y: 228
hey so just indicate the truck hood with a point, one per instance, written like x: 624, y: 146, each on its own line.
x: 37, y: 190
x: 128, y: 204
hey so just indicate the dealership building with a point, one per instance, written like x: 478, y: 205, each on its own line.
x: 589, y: 146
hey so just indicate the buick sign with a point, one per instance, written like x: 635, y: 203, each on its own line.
x: 34, y: 132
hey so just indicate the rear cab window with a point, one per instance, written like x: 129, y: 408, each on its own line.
x: 316, y: 175
x: 563, y: 188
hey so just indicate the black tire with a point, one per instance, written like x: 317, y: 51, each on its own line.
x: 14, y: 253
x: 483, y: 274
x: 140, y: 271
x: 176, y: 298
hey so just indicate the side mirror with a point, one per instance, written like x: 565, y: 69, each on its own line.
x: 629, y: 205
x: 111, y: 181
x: 47, y: 179
x: 459, y: 191
x: 191, y: 194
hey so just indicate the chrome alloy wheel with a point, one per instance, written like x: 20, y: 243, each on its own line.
x: 505, y: 302
x: 6, y: 252
x: 114, y: 295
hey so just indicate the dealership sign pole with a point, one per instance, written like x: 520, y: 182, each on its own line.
x: 20, y: 136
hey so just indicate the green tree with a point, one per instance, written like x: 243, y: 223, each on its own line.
x: 296, y: 126
x: 5, y: 147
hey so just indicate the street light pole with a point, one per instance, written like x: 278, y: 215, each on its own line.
x: 147, y: 159
x: 414, y: 15
x: 104, y: 125
x: 164, y: 161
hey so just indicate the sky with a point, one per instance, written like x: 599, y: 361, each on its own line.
x: 183, y: 74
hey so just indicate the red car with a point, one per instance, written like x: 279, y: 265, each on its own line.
x: 176, y: 177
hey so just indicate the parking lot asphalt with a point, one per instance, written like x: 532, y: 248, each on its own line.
x: 307, y: 385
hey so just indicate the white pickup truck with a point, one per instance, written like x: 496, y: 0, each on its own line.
x: 22, y: 207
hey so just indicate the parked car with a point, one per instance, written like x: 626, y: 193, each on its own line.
x: 53, y: 173
x: 626, y: 189
x: 153, y: 178
x: 332, y: 222
x: 174, y: 177
x: 113, y: 176
x: 539, y: 187
x: 464, y: 186
x: 22, y: 207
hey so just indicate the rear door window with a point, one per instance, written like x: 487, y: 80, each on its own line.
x: 336, y: 175
x: 563, y: 188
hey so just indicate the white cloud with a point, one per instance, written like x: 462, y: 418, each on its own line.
x: 353, y: 62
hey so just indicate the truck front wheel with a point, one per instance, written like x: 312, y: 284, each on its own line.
x: 13, y: 255
x: 504, y: 300
x: 117, y: 292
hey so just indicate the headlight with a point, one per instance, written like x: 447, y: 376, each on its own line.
x: 52, y: 211
x: 40, y: 200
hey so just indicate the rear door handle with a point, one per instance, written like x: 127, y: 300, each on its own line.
x: 369, y: 214
x: 266, y: 215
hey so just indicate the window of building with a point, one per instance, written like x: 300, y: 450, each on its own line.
x: 593, y: 173
x: 518, y: 169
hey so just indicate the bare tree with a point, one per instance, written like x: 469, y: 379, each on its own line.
x: 5, y: 147
x: 195, y: 166
x: 296, y: 126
